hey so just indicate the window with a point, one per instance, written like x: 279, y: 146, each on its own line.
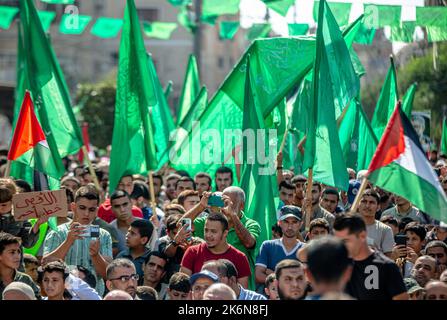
x: 148, y: 14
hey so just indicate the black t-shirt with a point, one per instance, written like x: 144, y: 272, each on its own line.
x: 375, y: 278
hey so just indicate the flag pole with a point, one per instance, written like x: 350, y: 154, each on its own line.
x: 154, y: 217
x: 359, y: 195
x: 309, y: 196
x: 90, y: 168
x: 8, y: 168
x: 283, y: 142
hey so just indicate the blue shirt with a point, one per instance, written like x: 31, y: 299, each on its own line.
x: 249, y: 295
x: 273, y: 251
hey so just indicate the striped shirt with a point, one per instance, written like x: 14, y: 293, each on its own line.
x: 249, y: 295
x: 79, y: 251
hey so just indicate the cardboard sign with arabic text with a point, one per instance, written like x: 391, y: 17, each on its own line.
x: 42, y: 203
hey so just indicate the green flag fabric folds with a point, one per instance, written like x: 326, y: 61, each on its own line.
x: 228, y: 29
x: 46, y: 18
x: 405, y: 33
x: 435, y: 34
x: 190, y: 90
x: 133, y: 147
x: 107, y: 27
x: 386, y: 103
x: 340, y: 10
x: 7, y: 14
x: 334, y: 85
x: 378, y: 16
x: 74, y: 24
x: 443, y: 148
x: 259, y: 30
x: 159, y: 30
x: 280, y: 6
x: 432, y: 16
x: 408, y: 99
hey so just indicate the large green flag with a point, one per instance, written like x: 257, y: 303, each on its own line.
x: 41, y: 74
x: 408, y: 99
x: 133, y: 147
x: 334, y: 85
x: 443, y: 148
x: 386, y: 103
x: 357, y: 138
x: 340, y: 10
x: 190, y: 90
x: 257, y: 179
x: 162, y: 120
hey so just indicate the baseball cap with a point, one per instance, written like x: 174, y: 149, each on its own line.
x: 203, y: 274
x: 290, y: 211
x: 22, y: 288
x: 354, y: 186
x: 412, y: 285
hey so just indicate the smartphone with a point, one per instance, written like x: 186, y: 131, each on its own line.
x: 188, y: 222
x: 91, y: 231
x: 400, y: 239
x: 216, y: 201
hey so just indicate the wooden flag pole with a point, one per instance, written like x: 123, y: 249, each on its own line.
x: 90, y: 168
x: 154, y: 217
x: 283, y: 143
x: 309, y: 197
x: 8, y: 169
x: 359, y: 195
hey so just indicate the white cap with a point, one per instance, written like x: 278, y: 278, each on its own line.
x: 20, y: 287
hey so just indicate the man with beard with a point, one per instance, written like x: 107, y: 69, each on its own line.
x: 215, y: 247
x: 424, y: 270
x: 121, y: 275
x: 317, y: 210
x: 274, y: 251
x: 223, y: 178
x: 374, y: 276
x: 290, y: 280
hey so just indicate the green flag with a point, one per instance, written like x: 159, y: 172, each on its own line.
x: 7, y: 14
x: 228, y: 29
x: 257, y: 180
x: 404, y: 33
x: 198, y: 107
x: 159, y: 30
x: 386, y: 103
x: 408, y: 99
x: 436, y: 34
x: 334, y: 85
x: 179, y: 2
x: 133, y: 146
x: 168, y: 90
x: 46, y: 18
x: 280, y: 6
x: 42, y: 76
x: 74, y: 24
x: 341, y: 11
x: 379, y: 16
x: 365, y: 35
x: 59, y: 1
x: 106, y: 27
x: 443, y: 148
x: 162, y: 120
x: 259, y: 30
x: 357, y: 138
x: 432, y: 16
x: 298, y: 29
x: 190, y: 90
x: 186, y: 20
x: 219, y: 7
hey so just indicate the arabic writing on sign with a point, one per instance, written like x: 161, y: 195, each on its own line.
x: 37, y: 204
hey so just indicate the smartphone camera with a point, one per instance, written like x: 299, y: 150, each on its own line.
x: 91, y: 231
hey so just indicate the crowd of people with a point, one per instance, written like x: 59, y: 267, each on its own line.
x: 199, y: 244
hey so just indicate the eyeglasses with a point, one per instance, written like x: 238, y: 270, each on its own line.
x: 127, y: 278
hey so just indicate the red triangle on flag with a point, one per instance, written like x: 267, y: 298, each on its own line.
x: 28, y: 131
x: 392, y: 144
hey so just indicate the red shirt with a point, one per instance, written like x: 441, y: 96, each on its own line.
x: 196, y: 256
x: 106, y: 214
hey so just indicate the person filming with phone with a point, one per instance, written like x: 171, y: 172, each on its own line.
x: 79, y: 242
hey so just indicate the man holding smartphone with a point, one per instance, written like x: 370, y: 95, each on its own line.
x: 69, y: 244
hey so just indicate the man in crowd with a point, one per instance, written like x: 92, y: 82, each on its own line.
x: 299, y: 182
x: 184, y: 183
x: 374, y: 276
x: 329, y: 200
x: 201, y: 281
x: 216, y: 247
x: 203, y: 182
x: 290, y: 280
x: 322, y: 253
x: 137, y: 237
x: 436, y: 290
x: 170, y: 184
x: 274, y: 251
x: 317, y: 210
x: 403, y: 209
x: 223, y: 178
x: 188, y: 199
x: 424, y: 270
x: 286, y: 193
x: 438, y: 250
x: 219, y: 291
x: 71, y: 243
x: 121, y: 275
x: 154, y: 272
x: 379, y: 235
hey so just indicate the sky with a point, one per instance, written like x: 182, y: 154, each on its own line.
x: 253, y: 11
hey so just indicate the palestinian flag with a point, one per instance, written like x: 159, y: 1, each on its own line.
x: 29, y: 144
x: 401, y: 167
